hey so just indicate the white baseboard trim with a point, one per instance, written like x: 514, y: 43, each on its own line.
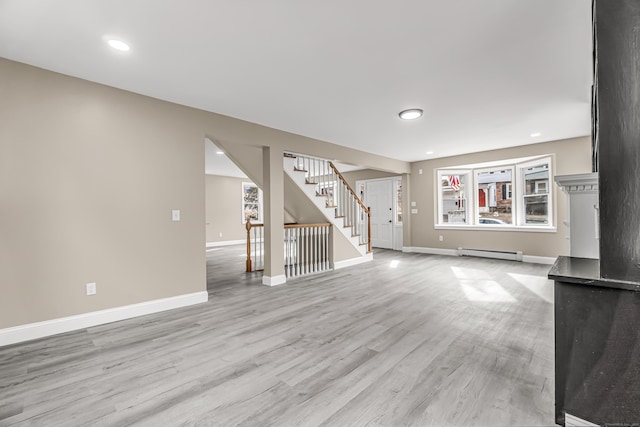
x: 538, y: 259
x: 274, y: 280
x: 47, y: 328
x: 573, y: 421
x: 431, y: 251
x: 225, y: 243
x: 353, y: 261
x: 453, y: 252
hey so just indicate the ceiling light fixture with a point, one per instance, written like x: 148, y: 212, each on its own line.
x: 219, y: 152
x: 429, y: 152
x: 533, y: 135
x: 118, y: 45
x: 410, y: 114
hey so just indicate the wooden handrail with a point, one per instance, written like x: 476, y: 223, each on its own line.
x: 360, y: 202
x: 344, y: 181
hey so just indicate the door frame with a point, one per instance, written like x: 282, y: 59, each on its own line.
x: 397, y: 228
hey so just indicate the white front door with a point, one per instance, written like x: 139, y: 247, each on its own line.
x: 379, y: 197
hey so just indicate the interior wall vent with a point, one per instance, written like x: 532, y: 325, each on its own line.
x: 485, y: 253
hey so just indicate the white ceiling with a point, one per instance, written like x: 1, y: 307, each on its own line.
x: 487, y: 73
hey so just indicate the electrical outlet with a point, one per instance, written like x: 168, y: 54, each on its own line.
x: 175, y: 215
x: 441, y: 238
x: 91, y: 288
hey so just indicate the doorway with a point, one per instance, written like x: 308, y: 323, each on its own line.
x: 384, y: 197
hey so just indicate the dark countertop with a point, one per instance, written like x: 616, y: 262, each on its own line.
x: 585, y: 271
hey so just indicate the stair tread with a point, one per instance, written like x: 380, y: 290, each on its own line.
x: 319, y: 191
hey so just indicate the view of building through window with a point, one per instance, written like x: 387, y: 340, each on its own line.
x: 494, y: 200
x: 454, y: 199
x: 536, y: 195
x: 512, y: 194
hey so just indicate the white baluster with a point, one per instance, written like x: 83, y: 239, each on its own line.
x: 299, y: 252
x: 287, y: 249
x: 315, y: 248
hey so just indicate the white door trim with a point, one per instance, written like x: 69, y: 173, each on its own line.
x: 396, y: 229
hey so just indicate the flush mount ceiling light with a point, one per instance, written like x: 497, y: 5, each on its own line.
x: 219, y: 152
x: 429, y: 152
x: 118, y: 45
x: 410, y: 114
x: 533, y: 135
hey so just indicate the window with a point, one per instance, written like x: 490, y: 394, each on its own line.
x: 251, y: 202
x: 454, y: 197
x: 510, y: 194
x: 327, y: 189
x: 535, y: 197
x: 494, y: 188
x: 398, y: 202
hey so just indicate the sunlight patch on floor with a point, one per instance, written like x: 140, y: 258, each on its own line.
x: 541, y: 286
x: 394, y: 263
x: 478, y: 286
x: 470, y: 273
x: 485, y: 291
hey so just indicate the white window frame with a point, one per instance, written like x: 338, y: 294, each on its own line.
x: 521, y: 167
x: 469, y: 199
x: 546, y: 185
x: 517, y: 195
x: 510, y: 186
x: 242, y: 202
x: 476, y: 189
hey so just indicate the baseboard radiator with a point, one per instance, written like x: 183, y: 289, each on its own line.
x: 486, y: 253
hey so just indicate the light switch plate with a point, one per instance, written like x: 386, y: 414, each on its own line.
x: 175, y: 215
x: 91, y: 288
x: 414, y: 211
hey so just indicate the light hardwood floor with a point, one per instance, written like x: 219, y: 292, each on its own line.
x: 408, y: 339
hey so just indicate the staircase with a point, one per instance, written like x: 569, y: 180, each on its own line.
x: 329, y: 191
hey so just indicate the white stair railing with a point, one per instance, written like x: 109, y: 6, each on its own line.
x: 306, y: 248
x: 330, y: 183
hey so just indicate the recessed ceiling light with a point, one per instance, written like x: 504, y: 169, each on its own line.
x: 219, y: 152
x: 410, y: 114
x: 118, y: 45
x: 533, y: 135
x: 429, y: 152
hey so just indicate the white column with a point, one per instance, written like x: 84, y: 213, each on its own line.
x: 273, y: 194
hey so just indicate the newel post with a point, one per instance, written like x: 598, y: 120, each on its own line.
x: 248, y: 227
